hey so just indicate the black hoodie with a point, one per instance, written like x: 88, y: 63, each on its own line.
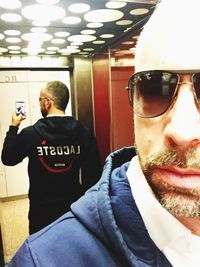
x: 58, y: 148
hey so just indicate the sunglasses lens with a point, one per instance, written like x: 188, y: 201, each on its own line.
x: 151, y: 92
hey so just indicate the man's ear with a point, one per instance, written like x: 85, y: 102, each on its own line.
x: 49, y: 103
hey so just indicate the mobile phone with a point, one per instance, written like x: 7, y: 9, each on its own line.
x: 20, y: 107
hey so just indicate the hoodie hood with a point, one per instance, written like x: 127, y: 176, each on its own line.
x: 58, y: 127
x: 109, y: 211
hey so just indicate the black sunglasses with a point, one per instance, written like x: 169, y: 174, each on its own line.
x: 151, y: 93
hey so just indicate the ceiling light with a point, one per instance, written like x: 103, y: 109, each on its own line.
x: 95, y: 25
x: 88, y: 32
x: 62, y: 34
x: 71, y: 20
x: 77, y: 43
x: 10, y: 4
x: 14, y: 47
x: 139, y: 11
x: 33, y: 51
x: 11, y: 17
x: 99, y: 42
x: 47, y: 12
x: 88, y: 49
x: 14, y: 52
x: 81, y: 38
x: 79, y: 8
x: 13, y: 40
x: 12, y: 32
x: 115, y: 4
x: 124, y: 22
x: 103, y: 15
x: 1, y: 36
x: 107, y: 35
x: 128, y: 42
x: 57, y: 41
x: 36, y: 36
x: 2, y: 49
x: 38, y: 29
x: 47, y: 2
x: 67, y: 50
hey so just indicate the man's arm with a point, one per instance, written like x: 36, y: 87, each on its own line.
x: 13, y: 144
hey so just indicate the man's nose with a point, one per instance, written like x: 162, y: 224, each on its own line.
x: 183, y: 126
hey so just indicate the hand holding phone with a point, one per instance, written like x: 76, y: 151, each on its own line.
x: 20, y: 108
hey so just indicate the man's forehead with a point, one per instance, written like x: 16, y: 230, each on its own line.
x: 171, y: 37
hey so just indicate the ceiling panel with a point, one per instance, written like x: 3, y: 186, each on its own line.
x: 114, y: 19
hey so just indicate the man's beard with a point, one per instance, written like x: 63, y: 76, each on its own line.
x: 178, y: 201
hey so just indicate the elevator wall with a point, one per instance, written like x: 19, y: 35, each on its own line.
x: 22, y: 85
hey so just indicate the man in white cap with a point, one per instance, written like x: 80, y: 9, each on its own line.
x: 145, y: 210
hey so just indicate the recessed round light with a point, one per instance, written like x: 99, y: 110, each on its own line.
x: 124, y: 22
x: 32, y: 51
x: 43, y: 37
x: 139, y: 11
x: 99, y: 42
x: 67, y: 50
x: 62, y: 34
x: 11, y: 17
x: 95, y: 25
x: 71, y: 20
x: 10, y: 4
x: 81, y: 38
x: 128, y: 42
x: 47, y: 12
x: 107, y: 35
x: 14, y: 52
x: 88, y: 49
x: 13, y: 40
x: 14, y: 47
x: 12, y: 32
x: 3, y: 50
x: 1, y: 36
x: 115, y: 4
x: 77, y: 43
x: 103, y: 15
x: 88, y: 32
x: 79, y: 8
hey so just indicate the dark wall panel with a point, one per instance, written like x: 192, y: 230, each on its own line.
x: 102, y: 103
x: 122, y: 115
x: 82, y: 94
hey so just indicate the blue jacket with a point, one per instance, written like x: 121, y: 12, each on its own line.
x: 103, y: 228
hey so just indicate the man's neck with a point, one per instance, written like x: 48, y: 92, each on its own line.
x: 56, y: 112
x: 193, y: 224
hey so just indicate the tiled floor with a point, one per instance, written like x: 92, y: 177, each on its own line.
x: 14, y: 224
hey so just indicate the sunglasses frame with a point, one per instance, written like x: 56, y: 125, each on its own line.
x: 131, y: 82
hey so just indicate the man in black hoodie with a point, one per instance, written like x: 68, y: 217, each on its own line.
x: 63, y: 156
